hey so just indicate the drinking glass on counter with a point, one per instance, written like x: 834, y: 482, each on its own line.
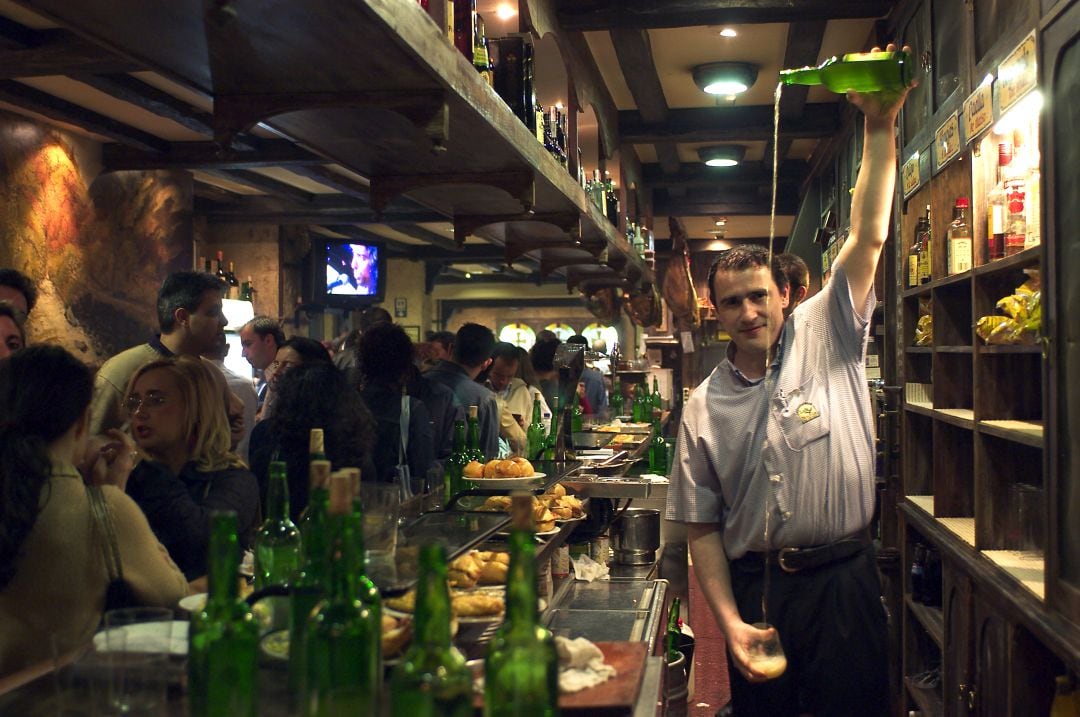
x: 381, y: 504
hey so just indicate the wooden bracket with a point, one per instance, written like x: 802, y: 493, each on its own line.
x: 426, y: 109
x: 466, y: 224
x: 593, y: 276
x: 519, y: 185
x: 551, y: 261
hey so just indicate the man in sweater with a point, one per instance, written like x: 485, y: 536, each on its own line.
x: 472, y: 354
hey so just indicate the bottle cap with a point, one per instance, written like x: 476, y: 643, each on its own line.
x: 473, y: 410
x: 340, y: 494
x: 319, y: 474
x: 963, y: 202
x: 316, y: 441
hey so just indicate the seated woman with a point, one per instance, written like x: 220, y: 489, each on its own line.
x: 53, y: 578
x: 294, y: 352
x: 313, y: 395
x: 179, y: 422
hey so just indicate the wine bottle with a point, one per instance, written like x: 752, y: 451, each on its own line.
x: 612, y: 202
x: 223, y: 638
x: 455, y: 464
x: 431, y: 680
x: 959, y: 237
x: 233, y: 292
x: 464, y: 26
x: 861, y: 72
x: 616, y: 401
x: 913, y: 255
x: 551, y: 444
x: 535, y: 435
x: 577, y: 417
x: 343, y: 646
x: 481, y: 58
x: 473, y: 447
x: 674, y: 633
x: 1015, y: 176
x: 521, y: 669
x: 277, y: 542
x: 309, y: 585
x: 220, y: 273
x: 656, y: 401
x: 657, y: 448
x: 995, y: 206
x: 247, y: 290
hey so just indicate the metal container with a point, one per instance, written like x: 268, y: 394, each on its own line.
x: 635, y: 536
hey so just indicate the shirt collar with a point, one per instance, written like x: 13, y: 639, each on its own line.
x: 781, y: 347
x: 155, y: 343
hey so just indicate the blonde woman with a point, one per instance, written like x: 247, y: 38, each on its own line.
x: 180, y: 426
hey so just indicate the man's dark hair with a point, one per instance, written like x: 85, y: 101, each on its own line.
x: 265, y: 326
x: 473, y: 344
x: 796, y: 270
x: 183, y: 290
x: 578, y: 339
x: 310, y: 350
x: 543, y: 354
x: 741, y: 258
x: 506, y: 351
x: 374, y: 315
x: 446, y: 338
x: 386, y: 353
x: 21, y: 283
x: 13, y: 312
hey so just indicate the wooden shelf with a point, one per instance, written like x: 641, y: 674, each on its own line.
x: 920, y: 407
x: 952, y: 349
x: 931, y: 618
x: 963, y: 528
x: 1030, y: 433
x: 1009, y: 349
x: 919, y: 349
x: 1028, y: 257
x: 929, y: 701
x: 1027, y: 568
x: 917, y: 291
x: 925, y: 503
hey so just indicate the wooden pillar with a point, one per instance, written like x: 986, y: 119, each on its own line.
x: 572, y: 109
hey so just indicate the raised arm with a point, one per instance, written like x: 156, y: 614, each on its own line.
x: 871, y: 203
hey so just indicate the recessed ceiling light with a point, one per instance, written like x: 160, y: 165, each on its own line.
x: 722, y: 155
x: 725, y: 78
x: 505, y: 11
x: 720, y: 221
x: 468, y: 275
x: 728, y: 32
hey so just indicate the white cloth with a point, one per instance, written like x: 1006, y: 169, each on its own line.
x: 581, y: 665
x: 587, y: 569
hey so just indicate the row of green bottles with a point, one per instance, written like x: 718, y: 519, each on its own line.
x: 521, y: 669
x: 223, y: 637
x: 616, y: 401
x: 577, y: 417
x: 432, y: 679
x: 277, y: 543
x: 453, y: 481
x: 550, y: 443
x: 861, y: 72
x: 475, y: 450
x: 535, y: 434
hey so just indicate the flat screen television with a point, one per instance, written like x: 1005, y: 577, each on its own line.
x: 352, y: 274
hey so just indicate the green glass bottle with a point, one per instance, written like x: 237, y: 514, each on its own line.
x: 635, y: 408
x: 475, y: 451
x: 656, y: 402
x: 576, y: 415
x: 535, y: 434
x: 861, y: 72
x: 616, y: 401
x: 223, y: 638
x: 316, y: 452
x: 552, y: 440
x: 521, y: 670
x: 455, y: 464
x: 657, y: 449
x: 673, y: 636
x: 277, y: 542
x: 343, y: 646
x: 310, y: 584
x: 432, y: 679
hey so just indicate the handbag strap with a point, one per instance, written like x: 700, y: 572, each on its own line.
x: 103, y: 523
x: 403, y: 424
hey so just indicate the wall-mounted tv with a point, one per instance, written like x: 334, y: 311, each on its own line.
x: 353, y: 273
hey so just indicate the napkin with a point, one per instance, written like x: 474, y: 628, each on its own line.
x: 587, y: 569
x: 581, y: 665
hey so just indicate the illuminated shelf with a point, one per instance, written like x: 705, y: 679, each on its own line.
x: 925, y: 503
x: 1030, y: 433
x: 963, y: 528
x: 1027, y: 568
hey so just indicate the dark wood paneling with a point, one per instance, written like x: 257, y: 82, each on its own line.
x: 605, y: 14
x: 722, y: 124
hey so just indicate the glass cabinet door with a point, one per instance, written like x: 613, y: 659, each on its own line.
x: 916, y: 35
x: 994, y: 19
x: 948, y: 34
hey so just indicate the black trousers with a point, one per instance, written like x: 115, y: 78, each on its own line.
x: 832, y: 627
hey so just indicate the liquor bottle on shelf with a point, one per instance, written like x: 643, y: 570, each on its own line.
x: 918, y: 568
x: 309, y: 585
x: 521, y: 669
x: 597, y: 192
x: 455, y: 464
x: 535, y: 434
x: 223, y: 637
x: 233, y: 292
x: 913, y: 256
x: 657, y: 448
x: 277, y: 542
x: 481, y: 58
x: 432, y: 678
x: 464, y: 27
x: 612, y: 195
x: 926, y: 244
x: 656, y: 401
x: 1014, y: 181
x: 247, y: 290
x: 220, y: 272
x: 996, y: 206
x: 959, y: 238
x: 551, y: 444
x: 861, y: 72
x: 560, y: 140
x: 472, y: 445
x: 344, y: 644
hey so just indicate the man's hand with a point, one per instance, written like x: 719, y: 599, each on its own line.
x: 881, y: 108
x: 740, y: 637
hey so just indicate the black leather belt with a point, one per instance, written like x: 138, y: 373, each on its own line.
x: 794, y: 560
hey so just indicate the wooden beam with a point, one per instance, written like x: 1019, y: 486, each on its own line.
x: 274, y: 187
x: 328, y: 178
x: 728, y: 124
x: 754, y: 174
x: 803, y: 46
x: 214, y: 194
x: 145, y: 96
x: 585, y: 15
x: 428, y: 237
x: 59, y: 110
x: 634, y: 51
x: 730, y: 203
x: 313, y: 215
x: 59, y: 52
x: 208, y: 155
x: 352, y: 231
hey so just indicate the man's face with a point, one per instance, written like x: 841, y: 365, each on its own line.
x: 750, y: 307
x: 440, y: 351
x: 258, y: 350
x: 502, y: 372
x: 15, y: 297
x: 206, y: 323
x: 11, y: 339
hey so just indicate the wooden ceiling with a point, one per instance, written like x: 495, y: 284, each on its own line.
x: 643, y: 50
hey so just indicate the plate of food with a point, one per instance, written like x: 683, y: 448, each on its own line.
x: 484, y: 604
x: 396, y: 635
x: 502, y: 473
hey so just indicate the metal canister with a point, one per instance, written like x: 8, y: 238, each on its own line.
x: 560, y: 562
x: 600, y: 549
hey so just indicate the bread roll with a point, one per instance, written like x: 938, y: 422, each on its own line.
x: 477, y: 604
x: 557, y: 490
x: 491, y: 468
x: 395, y: 635
x: 473, y: 470
x: 493, y: 573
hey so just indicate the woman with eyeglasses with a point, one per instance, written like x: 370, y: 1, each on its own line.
x: 179, y: 423
x: 53, y: 575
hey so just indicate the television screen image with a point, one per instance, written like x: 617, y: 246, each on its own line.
x: 352, y: 269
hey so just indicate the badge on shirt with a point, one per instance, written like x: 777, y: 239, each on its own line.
x: 806, y: 412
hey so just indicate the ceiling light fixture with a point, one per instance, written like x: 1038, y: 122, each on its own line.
x: 728, y: 32
x: 722, y: 155
x: 720, y: 221
x: 505, y: 11
x: 725, y: 78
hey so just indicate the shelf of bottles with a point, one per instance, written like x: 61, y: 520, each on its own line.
x: 226, y: 272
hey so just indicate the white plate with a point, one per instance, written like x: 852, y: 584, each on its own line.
x: 140, y: 638
x: 193, y: 603
x: 525, y: 482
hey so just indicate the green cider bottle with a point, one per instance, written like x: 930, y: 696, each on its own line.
x: 657, y: 449
x: 432, y: 680
x: 311, y: 581
x: 637, y: 410
x: 452, y: 472
x: 521, y: 669
x: 673, y: 636
x: 656, y: 401
x: 223, y: 638
x: 616, y: 401
x: 535, y: 434
x: 861, y: 72
x: 577, y: 417
x: 475, y: 451
x: 552, y: 440
x: 343, y: 646
x: 277, y: 542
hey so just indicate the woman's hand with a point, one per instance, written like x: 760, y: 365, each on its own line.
x: 109, y: 459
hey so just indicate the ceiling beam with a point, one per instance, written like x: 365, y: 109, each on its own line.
x: 755, y: 174
x: 803, y: 46
x: 427, y: 236
x: 698, y: 203
x: 244, y: 213
x: 274, y: 187
x: 351, y: 231
x: 728, y: 124
x: 208, y: 155
x: 57, y: 52
x: 585, y: 15
x: 215, y: 194
x: 145, y: 96
x: 328, y: 178
x: 634, y: 51
x: 59, y: 110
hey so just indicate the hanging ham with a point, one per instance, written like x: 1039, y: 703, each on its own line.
x: 679, y: 289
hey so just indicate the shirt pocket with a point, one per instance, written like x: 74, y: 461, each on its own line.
x: 804, y: 414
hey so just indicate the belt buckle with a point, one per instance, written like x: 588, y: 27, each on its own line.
x: 780, y: 559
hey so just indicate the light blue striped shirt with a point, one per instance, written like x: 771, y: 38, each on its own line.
x: 807, y: 455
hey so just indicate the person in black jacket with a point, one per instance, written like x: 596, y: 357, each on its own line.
x: 179, y: 424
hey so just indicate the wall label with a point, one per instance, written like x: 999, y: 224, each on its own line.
x: 978, y: 111
x: 910, y: 178
x: 947, y: 140
x: 1017, y: 74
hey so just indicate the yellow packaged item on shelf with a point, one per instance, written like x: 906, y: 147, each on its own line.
x: 924, y: 331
